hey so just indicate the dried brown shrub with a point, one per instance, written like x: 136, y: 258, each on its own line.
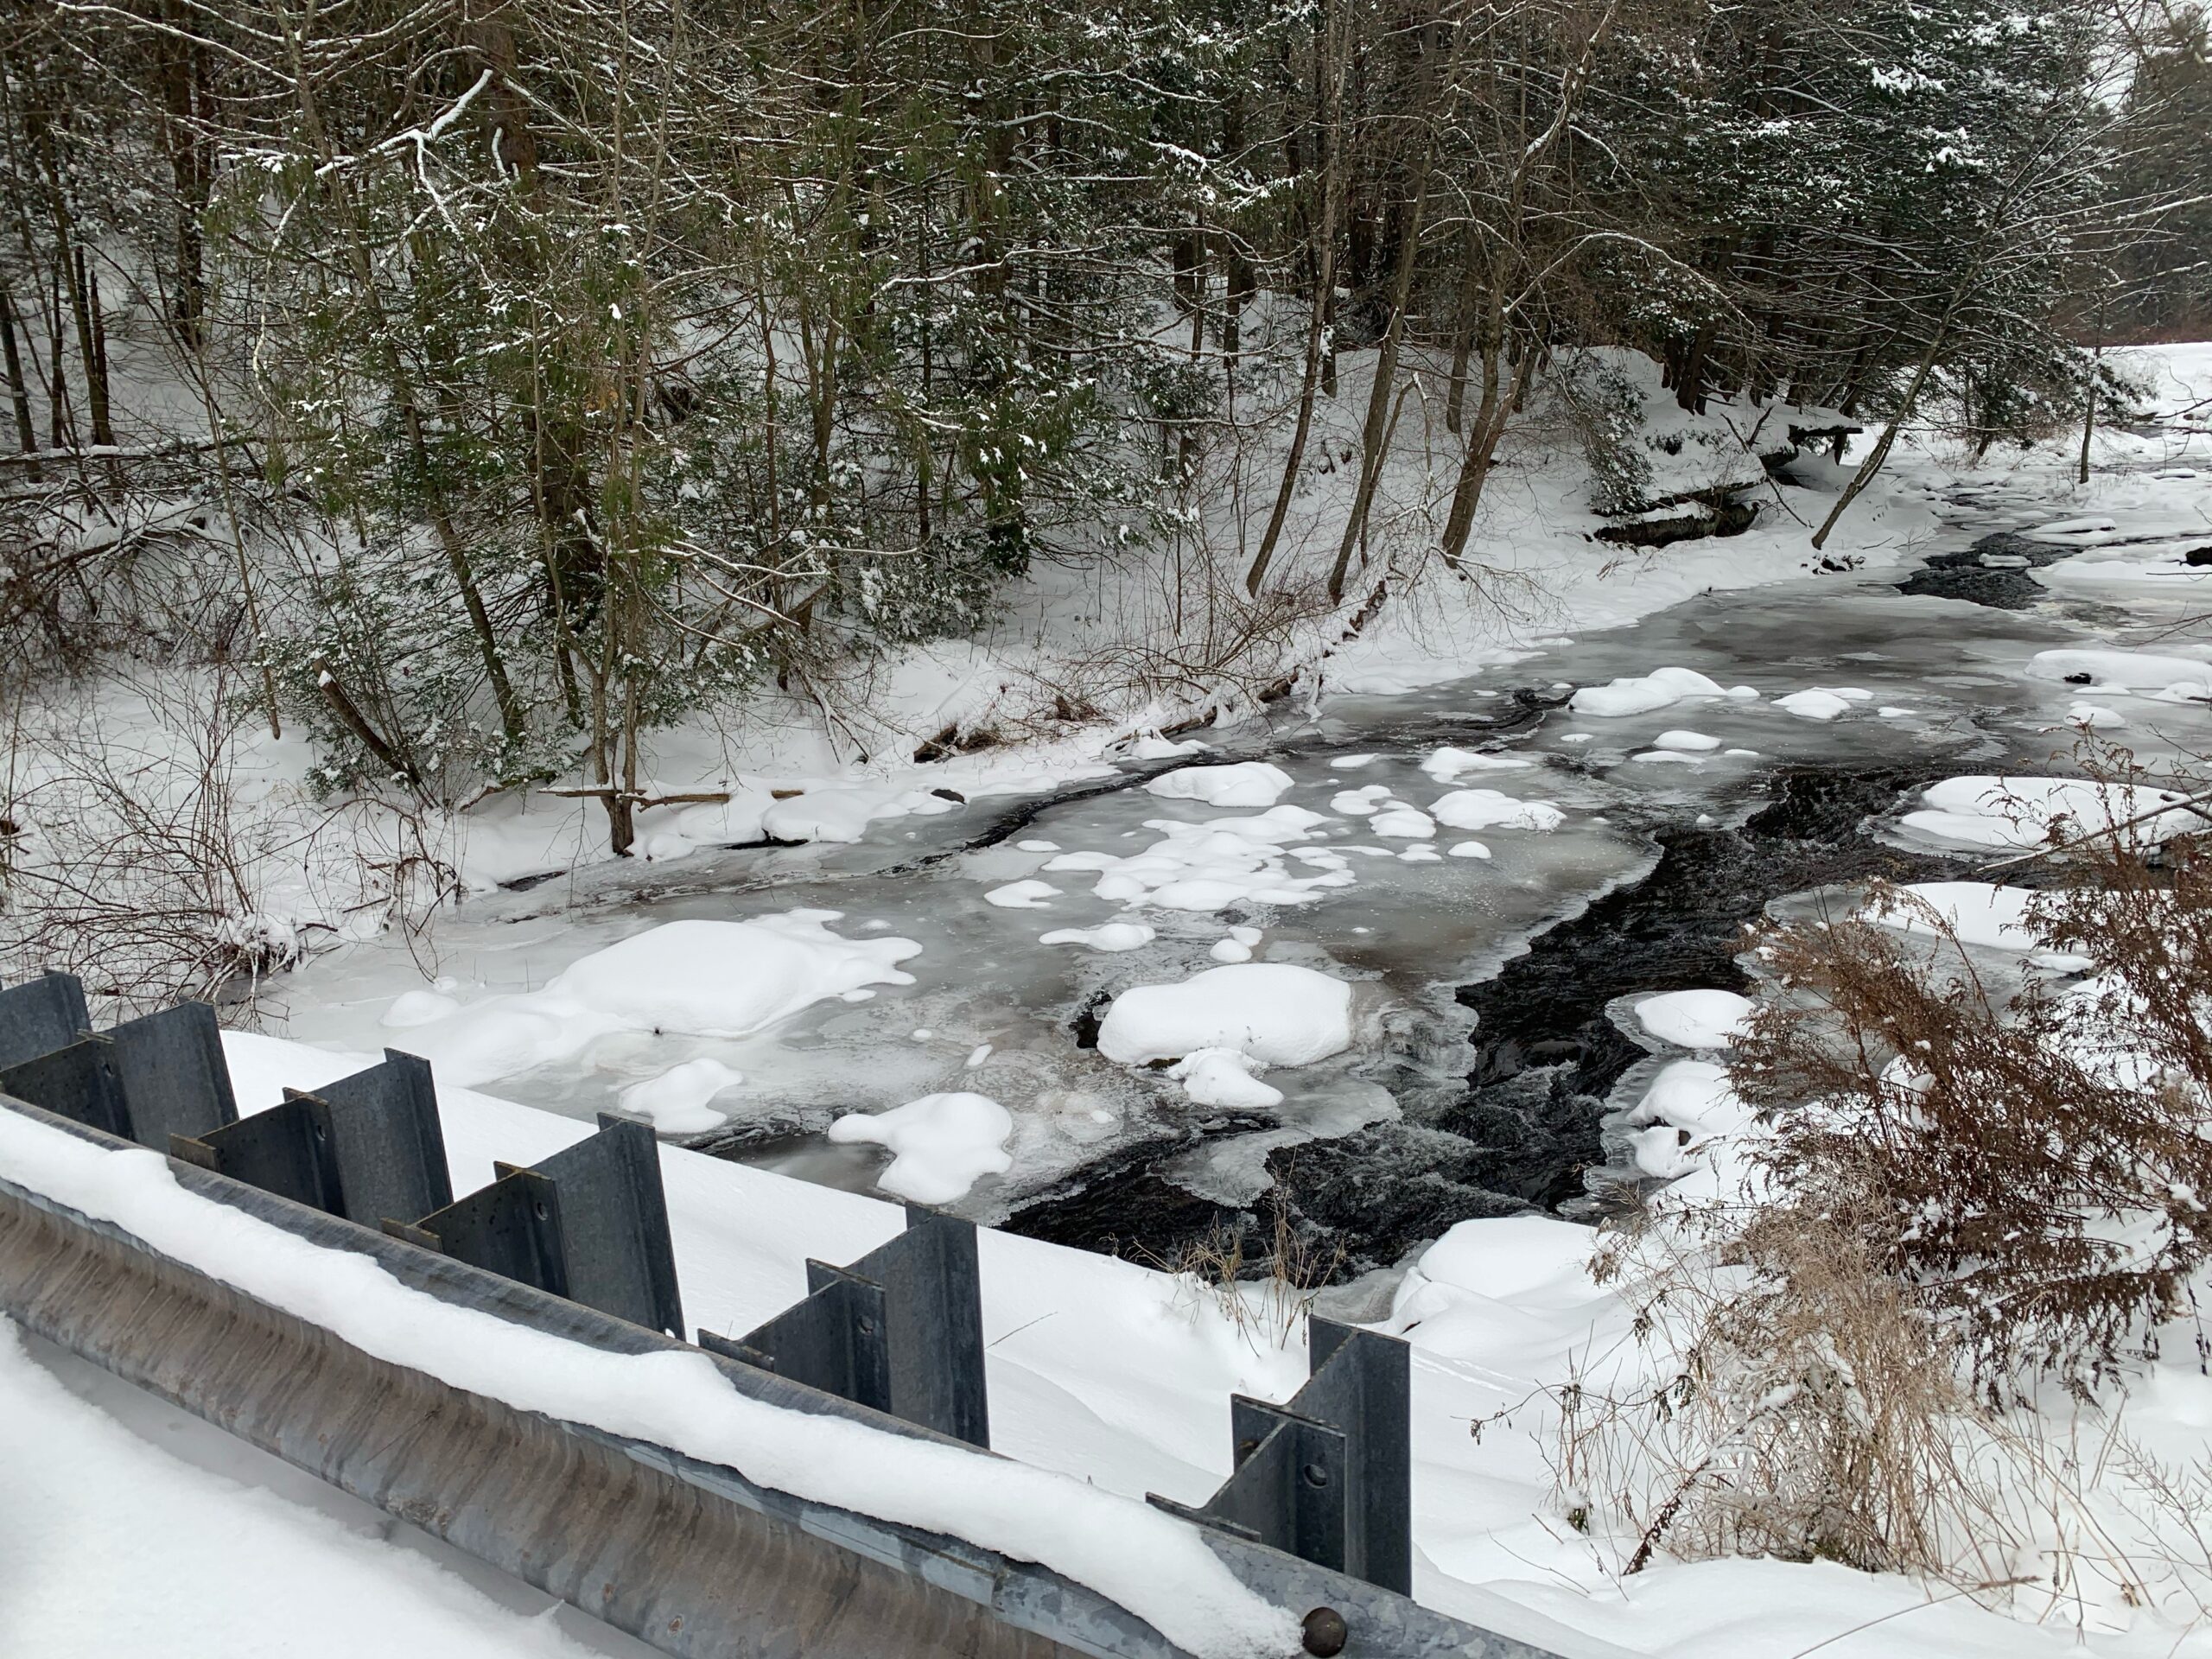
x: 2033, y: 1165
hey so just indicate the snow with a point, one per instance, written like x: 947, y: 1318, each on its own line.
x: 704, y: 978
x: 941, y: 1145
x: 1212, y: 865
x: 1253, y: 783
x: 1973, y: 913
x: 1468, y: 849
x: 1403, y: 823
x: 1446, y: 764
x: 1486, y: 809
x: 1688, y: 742
x: 139, y: 1531
x: 838, y: 812
x: 674, y: 1102
x: 1276, y: 1013
x: 1108, y: 936
x: 1223, y: 1076
x: 1486, y: 1289
x: 1695, y: 1019
x: 1688, y: 1103
x: 2128, y: 671
x: 1031, y: 895
x: 1986, y: 811
x: 419, y: 1008
x: 1156, y: 1566
x: 1237, y: 947
x: 1361, y: 803
x: 1644, y: 694
x: 1822, y: 701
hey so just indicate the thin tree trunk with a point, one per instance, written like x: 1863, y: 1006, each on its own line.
x: 19, y: 392
x: 1880, y: 453
x: 1324, y: 277
x: 1374, y: 435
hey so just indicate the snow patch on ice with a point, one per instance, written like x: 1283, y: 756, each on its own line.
x: 1642, y: 693
x: 1695, y: 1019
x: 941, y: 1145
x: 1223, y: 1076
x: 1984, y: 812
x: 674, y: 1102
x: 1276, y: 1013
x: 1218, y: 862
x: 1447, y: 764
x: 2175, y: 677
x: 1486, y: 809
x: 1252, y: 783
x: 701, y: 978
x: 1032, y: 894
x: 1108, y: 936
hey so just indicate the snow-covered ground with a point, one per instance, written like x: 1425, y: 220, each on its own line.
x: 1278, y: 928
x: 131, y: 1527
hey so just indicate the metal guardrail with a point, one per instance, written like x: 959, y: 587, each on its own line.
x: 692, y: 1557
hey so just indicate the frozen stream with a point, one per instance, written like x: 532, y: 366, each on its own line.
x: 1468, y: 1090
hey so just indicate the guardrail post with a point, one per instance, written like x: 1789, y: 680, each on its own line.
x: 175, y: 1078
x: 589, y: 1224
x: 144, y: 1080
x: 40, y: 1015
x: 1329, y: 1476
x: 79, y: 1082
x: 367, y: 1147
x: 901, y: 1329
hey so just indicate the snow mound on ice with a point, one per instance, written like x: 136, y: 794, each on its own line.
x: 729, y: 979
x: 1032, y: 894
x: 1108, y: 936
x: 842, y: 812
x: 1641, y: 694
x: 1276, y: 1013
x: 1974, y: 912
x: 703, y: 978
x: 1493, y: 1289
x: 1824, y: 702
x: 1251, y: 783
x: 1486, y: 809
x: 1982, y: 812
x: 1446, y: 764
x: 1361, y: 803
x: 2125, y: 671
x: 1403, y: 823
x: 1687, y: 742
x: 1688, y: 1104
x: 675, y: 1101
x: 1223, y: 1076
x: 1220, y: 862
x: 1695, y: 1019
x: 941, y: 1145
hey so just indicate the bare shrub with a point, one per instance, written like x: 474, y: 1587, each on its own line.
x: 2034, y: 1167
x: 137, y: 851
x: 1963, y: 1185
x: 1787, y: 1399
x: 1266, y: 1289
